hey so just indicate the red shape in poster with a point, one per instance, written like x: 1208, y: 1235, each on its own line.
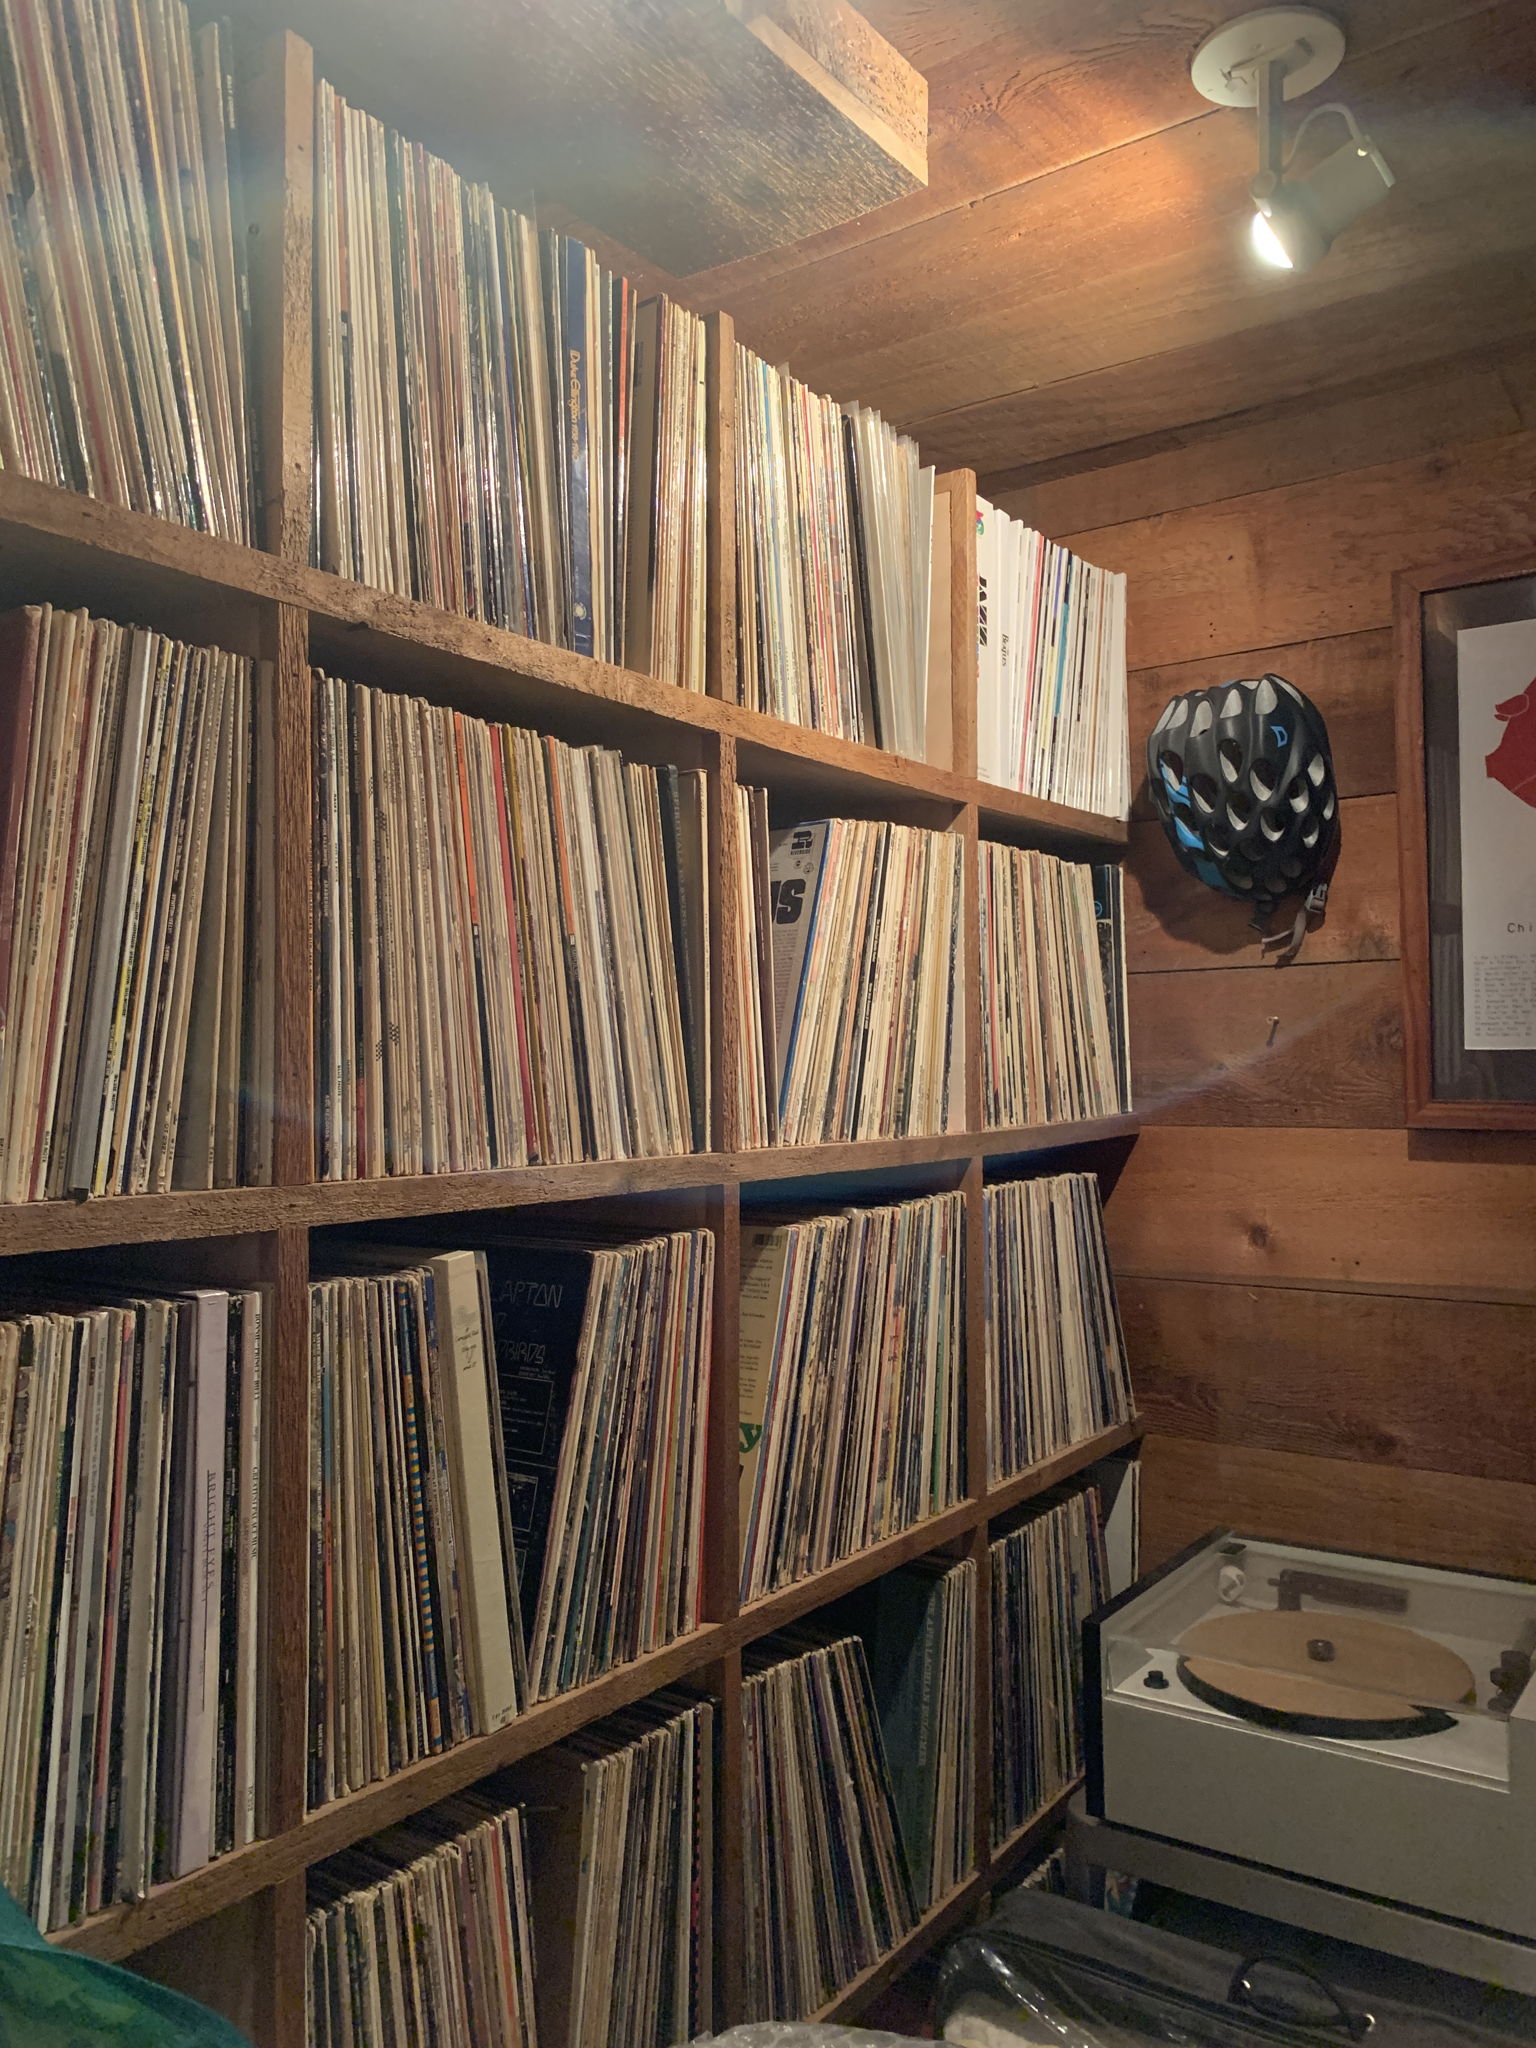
x: 1513, y: 760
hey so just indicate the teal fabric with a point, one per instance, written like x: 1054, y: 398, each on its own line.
x: 51, y: 1998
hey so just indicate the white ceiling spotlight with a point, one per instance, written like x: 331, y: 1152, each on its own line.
x: 1261, y: 60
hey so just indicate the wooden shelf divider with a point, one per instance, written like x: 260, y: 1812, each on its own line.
x: 61, y: 548
x: 967, y: 1899
x: 121, y: 1930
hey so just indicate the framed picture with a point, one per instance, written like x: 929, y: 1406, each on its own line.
x: 1466, y: 781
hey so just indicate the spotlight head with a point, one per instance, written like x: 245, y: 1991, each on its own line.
x: 1297, y: 218
x: 1261, y: 60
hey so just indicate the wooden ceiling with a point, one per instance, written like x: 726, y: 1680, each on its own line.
x: 1075, y: 284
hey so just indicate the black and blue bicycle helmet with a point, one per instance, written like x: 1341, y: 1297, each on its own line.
x: 1241, y: 776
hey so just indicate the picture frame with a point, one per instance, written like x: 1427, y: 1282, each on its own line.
x: 1465, y: 637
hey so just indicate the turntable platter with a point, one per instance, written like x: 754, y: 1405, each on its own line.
x: 1324, y: 1674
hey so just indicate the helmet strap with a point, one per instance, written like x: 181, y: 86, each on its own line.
x: 1290, y: 943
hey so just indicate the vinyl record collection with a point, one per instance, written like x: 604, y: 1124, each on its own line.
x: 476, y: 948
x: 866, y: 961
x: 1054, y: 1041
x: 850, y: 1378
x: 921, y: 1645
x: 602, y: 1354
x: 827, y: 1889
x: 1046, y: 1577
x: 757, y: 1061
x: 122, y: 260
x: 1056, y: 1366
x: 424, y: 1934
x: 507, y: 1483
x: 1051, y: 688
x: 511, y: 945
x: 502, y: 427
x: 130, y: 1427
x: 136, y: 912
x: 622, y: 1858
x: 834, y: 539
x: 413, y: 1636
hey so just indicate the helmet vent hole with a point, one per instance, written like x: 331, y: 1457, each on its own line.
x: 1231, y: 756
x: 1218, y: 838
x: 1232, y: 705
x: 1241, y: 881
x: 1271, y: 825
x: 1238, y: 869
x: 1291, y: 869
x: 1275, y: 883
x: 1171, y: 767
x: 1264, y: 699
x: 1204, y: 719
x: 1317, y: 768
x: 1262, y: 778
x: 1178, y: 711
x: 1298, y: 795
x: 1328, y: 805
x: 1204, y: 792
x: 1239, y: 807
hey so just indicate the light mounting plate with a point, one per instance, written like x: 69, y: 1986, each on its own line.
x: 1307, y: 43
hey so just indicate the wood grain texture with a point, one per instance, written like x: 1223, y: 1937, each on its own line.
x: 852, y: 67
x: 979, y: 1549
x: 722, y: 1454
x: 1486, y: 1525
x: 293, y: 1108
x: 1172, y: 921
x: 1315, y: 559
x: 141, y: 1219
x: 720, y: 528
x: 1015, y: 97
x: 1288, y: 442
x: 1481, y: 302
x: 725, y: 128
x: 1387, y: 1207
x: 1437, y: 1386
x: 286, y: 1505
x: 1137, y: 252
x: 1312, y: 1045
x: 234, y: 1964
x: 279, y: 105
x: 1349, y: 679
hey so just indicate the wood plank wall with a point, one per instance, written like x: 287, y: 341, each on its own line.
x: 1332, y: 1319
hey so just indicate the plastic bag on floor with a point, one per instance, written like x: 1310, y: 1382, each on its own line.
x: 807, y: 2034
x: 51, y: 1998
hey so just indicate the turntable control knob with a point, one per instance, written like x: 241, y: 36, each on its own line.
x: 1321, y: 1651
x: 1156, y: 1680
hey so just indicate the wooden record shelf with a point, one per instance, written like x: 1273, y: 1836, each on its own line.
x: 123, y: 1930
x: 60, y: 548
x: 967, y: 1899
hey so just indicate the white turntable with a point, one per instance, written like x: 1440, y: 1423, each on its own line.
x: 1350, y: 1720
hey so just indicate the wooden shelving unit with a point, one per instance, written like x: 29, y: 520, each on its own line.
x: 951, y: 1913
x: 63, y: 549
